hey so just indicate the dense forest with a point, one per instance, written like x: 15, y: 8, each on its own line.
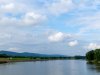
x: 93, y: 55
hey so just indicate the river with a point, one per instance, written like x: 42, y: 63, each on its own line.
x: 51, y: 67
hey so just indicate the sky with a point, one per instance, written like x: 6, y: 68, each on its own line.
x: 68, y: 27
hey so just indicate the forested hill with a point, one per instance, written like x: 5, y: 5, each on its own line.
x: 27, y: 54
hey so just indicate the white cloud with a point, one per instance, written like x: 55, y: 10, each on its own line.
x: 30, y: 18
x: 8, y: 7
x: 16, y: 13
x: 87, y: 15
x: 4, y: 36
x: 13, y: 49
x: 6, y: 1
x: 93, y: 46
x: 85, y: 24
x: 60, y: 6
x: 13, y: 8
x: 59, y: 36
x: 73, y: 43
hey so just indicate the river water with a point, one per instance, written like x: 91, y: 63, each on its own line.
x: 51, y: 67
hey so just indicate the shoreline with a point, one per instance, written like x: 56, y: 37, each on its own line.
x: 29, y: 60
x: 94, y: 62
x: 26, y: 60
x: 9, y: 61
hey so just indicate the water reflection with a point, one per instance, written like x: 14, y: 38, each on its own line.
x: 93, y: 67
x: 56, y: 67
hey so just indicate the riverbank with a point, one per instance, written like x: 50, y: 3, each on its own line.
x: 94, y: 62
x: 8, y: 60
x: 5, y: 60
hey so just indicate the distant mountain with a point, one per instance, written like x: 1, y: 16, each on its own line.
x: 27, y: 54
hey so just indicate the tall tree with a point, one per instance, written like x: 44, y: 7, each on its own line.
x: 90, y: 55
x: 97, y: 54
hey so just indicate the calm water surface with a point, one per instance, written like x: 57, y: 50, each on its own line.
x: 55, y: 67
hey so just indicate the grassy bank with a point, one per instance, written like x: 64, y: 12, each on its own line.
x: 94, y: 62
x: 7, y: 60
x: 23, y: 59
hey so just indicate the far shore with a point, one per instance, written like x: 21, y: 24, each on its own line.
x: 8, y: 60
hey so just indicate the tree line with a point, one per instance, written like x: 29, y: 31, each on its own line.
x: 38, y: 57
x: 93, y: 55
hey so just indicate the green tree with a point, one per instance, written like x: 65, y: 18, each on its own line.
x: 3, y: 56
x: 90, y: 55
x: 97, y: 54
